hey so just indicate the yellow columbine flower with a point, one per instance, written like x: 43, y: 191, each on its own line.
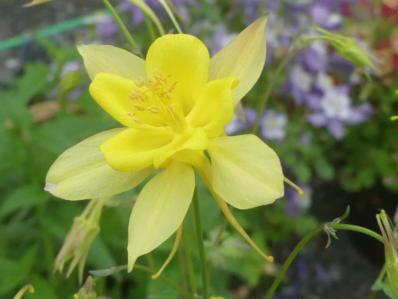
x: 173, y: 108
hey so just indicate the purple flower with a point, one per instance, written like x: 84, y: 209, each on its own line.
x: 315, y: 58
x: 106, y: 28
x: 221, y: 37
x: 322, y: 15
x: 296, y: 204
x: 273, y: 125
x: 299, y: 84
x: 138, y: 16
x: 335, y: 108
x: 244, y: 122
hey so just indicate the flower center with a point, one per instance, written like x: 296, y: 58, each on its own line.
x: 153, y: 103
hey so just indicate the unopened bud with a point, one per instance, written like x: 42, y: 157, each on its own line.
x: 345, y: 46
x: 390, y: 249
x: 87, y: 291
x: 77, y: 243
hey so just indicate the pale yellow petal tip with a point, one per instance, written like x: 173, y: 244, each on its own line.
x: 270, y: 259
x: 263, y: 20
x: 49, y: 187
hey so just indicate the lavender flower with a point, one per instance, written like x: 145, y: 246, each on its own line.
x: 322, y: 15
x: 335, y: 109
x: 106, y: 28
x: 138, y: 16
x: 239, y: 124
x: 296, y: 204
x: 273, y: 125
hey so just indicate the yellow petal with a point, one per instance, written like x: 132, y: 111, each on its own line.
x: 133, y: 149
x: 191, y: 141
x: 111, y: 92
x: 160, y: 209
x: 214, y: 109
x: 243, y: 58
x: 185, y: 59
x: 245, y: 172
x: 110, y: 59
x: 81, y: 172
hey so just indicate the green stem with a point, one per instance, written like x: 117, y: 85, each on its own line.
x: 121, y: 25
x: 358, y: 229
x: 202, y: 254
x: 171, y: 15
x: 183, y: 268
x: 309, y: 237
x: 166, y: 280
x: 189, y: 265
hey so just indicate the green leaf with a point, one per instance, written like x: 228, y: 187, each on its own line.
x: 32, y: 82
x: 43, y: 289
x: 23, y: 197
x: 14, y: 271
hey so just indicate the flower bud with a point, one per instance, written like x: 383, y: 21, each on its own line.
x: 346, y: 47
x: 77, y: 243
x: 87, y: 291
x: 390, y: 248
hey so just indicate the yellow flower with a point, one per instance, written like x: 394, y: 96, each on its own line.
x: 173, y: 108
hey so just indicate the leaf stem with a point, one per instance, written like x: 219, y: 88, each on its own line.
x: 189, y: 265
x: 121, y: 25
x: 202, y: 254
x: 309, y: 237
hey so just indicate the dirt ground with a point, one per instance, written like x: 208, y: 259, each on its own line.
x: 16, y: 19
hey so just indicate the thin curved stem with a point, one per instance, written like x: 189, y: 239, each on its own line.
x: 171, y: 15
x: 309, y: 237
x: 150, y: 13
x: 202, y: 254
x: 292, y: 256
x: 121, y: 25
x: 358, y: 229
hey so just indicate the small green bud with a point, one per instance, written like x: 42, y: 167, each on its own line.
x: 87, y: 291
x: 345, y: 46
x: 77, y: 243
x: 390, y: 248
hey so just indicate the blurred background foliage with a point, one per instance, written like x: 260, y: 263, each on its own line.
x: 327, y: 120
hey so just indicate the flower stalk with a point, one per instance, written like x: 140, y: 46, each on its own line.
x: 308, y: 238
x: 121, y: 25
x: 201, y: 247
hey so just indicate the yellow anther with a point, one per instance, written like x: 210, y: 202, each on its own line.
x: 154, y: 109
x: 139, y: 107
x: 155, y: 96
